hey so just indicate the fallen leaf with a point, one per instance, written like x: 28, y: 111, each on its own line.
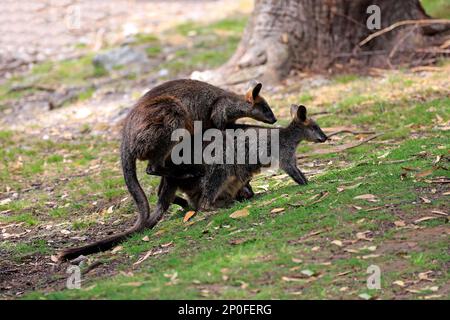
x: 321, y: 195
x: 399, y: 223
x: 277, y: 210
x: 145, y: 257
x: 244, y: 285
x: 424, y: 219
x: 296, y: 293
x: 171, y: 276
x: 240, y: 214
x: 368, y: 197
x: 342, y: 188
x: 425, y: 200
x: 370, y: 256
x: 165, y: 245
x: 441, y: 213
x: 116, y: 249
x: 110, y: 210
x: 317, y: 248
x: 363, y: 236
x: 399, y: 283
x: 132, y: 284
x: 237, y: 241
x: 375, y: 208
x: 296, y: 260
x: 424, y: 276
x: 54, y: 258
x: 5, y: 201
x: 188, y: 216
x: 337, y: 242
x: 65, y: 232
x: 425, y: 173
x: 308, y: 273
x: 292, y: 279
x: 365, y: 296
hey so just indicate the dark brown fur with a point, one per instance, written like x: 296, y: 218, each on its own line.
x: 222, y: 183
x: 147, y: 136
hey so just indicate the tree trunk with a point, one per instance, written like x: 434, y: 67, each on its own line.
x: 321, y: 35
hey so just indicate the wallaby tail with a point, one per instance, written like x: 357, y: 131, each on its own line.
x: 135, y: 189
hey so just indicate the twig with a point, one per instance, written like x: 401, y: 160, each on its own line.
x: 28, y: 87
x: 343, y: 147
x: 402, y: 23
x: 320, y: 113
x: 349, y: 131
x: 399, y: 42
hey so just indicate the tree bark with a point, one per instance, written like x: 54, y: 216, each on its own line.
x: 285, y: 35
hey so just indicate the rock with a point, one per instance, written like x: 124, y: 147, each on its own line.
x: 122, y: 56
x: 163, y: 72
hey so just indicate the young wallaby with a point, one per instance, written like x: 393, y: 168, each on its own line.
x: 222, y: 182
x: 147, y: 136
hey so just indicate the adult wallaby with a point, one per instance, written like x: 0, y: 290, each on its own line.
x: 147, y: 136
x: 222, y: 182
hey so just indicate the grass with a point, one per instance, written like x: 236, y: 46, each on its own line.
x: 437, y: 8
x: 21, y: 250
x: 53, y: 74
x: 255, y: 267
x: 210, y: 46
x: 294, y: 254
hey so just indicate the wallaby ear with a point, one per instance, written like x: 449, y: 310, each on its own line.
x: 301, y: 113
x: 254, y: 88
x: 294, y: 109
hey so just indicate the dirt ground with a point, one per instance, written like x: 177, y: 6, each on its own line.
x: 35, y: 30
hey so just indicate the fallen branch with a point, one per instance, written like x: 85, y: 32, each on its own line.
x: 31, y: 87
x: 340, y: 148
x: 402, y: 23
x: 349, y: 131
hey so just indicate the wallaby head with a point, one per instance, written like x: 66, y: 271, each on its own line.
x: 260, y: 109
x: 310, y: 129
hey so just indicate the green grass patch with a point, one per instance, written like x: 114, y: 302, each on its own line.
x: 238, y: 248
x: 437, y: 8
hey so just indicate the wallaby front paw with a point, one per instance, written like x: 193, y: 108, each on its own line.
x: 150, y: 171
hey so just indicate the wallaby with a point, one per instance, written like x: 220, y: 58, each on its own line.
x: 223, y: 182
x: 147, y: 136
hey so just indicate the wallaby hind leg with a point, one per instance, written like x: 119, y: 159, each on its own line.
x: 166, y: 196
x: 177, y: 200
x: 211, y: 188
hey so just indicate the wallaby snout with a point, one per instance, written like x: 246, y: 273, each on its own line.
x: 322, y: 138
x: 271, y: 119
